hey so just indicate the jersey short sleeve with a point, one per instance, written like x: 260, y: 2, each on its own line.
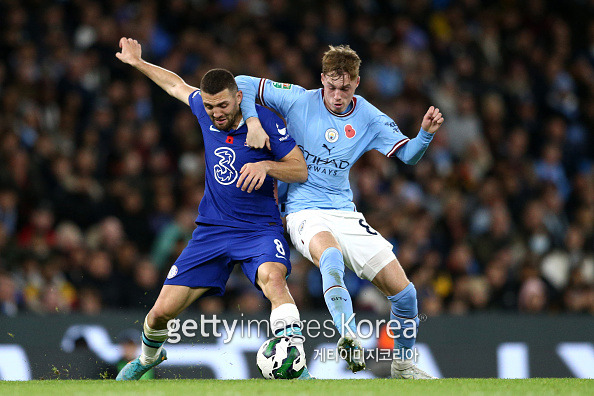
x: 388, y: 138
x: 195, y: 101
x: 281, y: 143
x: 279, y: 96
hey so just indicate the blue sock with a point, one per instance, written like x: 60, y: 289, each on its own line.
x: 336, y: 295
x: 404, y: 320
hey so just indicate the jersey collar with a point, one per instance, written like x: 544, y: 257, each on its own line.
x: 348, y: 113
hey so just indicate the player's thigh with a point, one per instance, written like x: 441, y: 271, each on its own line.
x: 311, y: 234
x: 319, y: 243
x: 255, y: 248
x: 391, y: 279
x: 204, y: 262
x: 173, y: 299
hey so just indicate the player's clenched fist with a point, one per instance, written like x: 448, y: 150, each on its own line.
x: 432, y: 120
x: 256, y: 136
x: 131, y: 51
x: 252, y: 176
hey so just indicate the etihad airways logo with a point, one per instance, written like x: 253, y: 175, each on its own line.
x: 313, y: 159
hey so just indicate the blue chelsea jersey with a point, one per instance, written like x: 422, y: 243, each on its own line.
x: 225, y: 154
x: 331, y: 142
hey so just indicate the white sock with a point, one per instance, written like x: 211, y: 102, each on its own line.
x: 284, y: 320
x: 152, y: 343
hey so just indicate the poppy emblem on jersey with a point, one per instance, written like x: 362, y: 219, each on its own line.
x: 331, y: 135
x: 224, y: 172
x: 229, y: 139
x: 172, y: 272
x: 349, y: 131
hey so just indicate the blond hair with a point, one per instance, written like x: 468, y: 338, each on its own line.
x: 339, y: 60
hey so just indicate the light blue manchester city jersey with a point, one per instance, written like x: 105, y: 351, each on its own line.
x: 331, y: 142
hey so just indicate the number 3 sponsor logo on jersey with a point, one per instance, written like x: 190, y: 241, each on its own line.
x: 224, y: 171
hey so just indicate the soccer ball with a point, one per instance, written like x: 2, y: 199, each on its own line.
x: 281, y: 358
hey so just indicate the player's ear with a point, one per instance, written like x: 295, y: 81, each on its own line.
x: 323, y: 78
x: 239, y: 96
x: 358, y: 81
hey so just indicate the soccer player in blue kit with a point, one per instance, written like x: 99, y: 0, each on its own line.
x: 334, y: 127
x: 238, y: 219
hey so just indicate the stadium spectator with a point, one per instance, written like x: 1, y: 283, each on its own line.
x: 509, y: 179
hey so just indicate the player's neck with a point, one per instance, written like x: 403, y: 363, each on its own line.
x: 346, y: 110
x: 237, y: 124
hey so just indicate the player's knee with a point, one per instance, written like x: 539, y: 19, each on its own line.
x: 332, y: 262
x: 160, y: 315
x: 275, y: 279
x: 272, y: 273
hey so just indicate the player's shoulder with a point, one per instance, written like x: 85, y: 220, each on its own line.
x: 195, y: 99
x: 265, y: 114
x: 368, y: 111
x: 196, y: 96
x: 366, y: 106
x: 268, y: 118
x: 309, y: 96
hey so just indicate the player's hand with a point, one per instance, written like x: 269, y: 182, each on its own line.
x: 252, y: 176
x: 432, y: 120
x: 256, y: 136
x: 131, y: 51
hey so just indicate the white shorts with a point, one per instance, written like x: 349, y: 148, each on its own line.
x: 364, y: 250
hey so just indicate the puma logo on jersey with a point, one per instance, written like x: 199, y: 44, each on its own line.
x: 327, y: 148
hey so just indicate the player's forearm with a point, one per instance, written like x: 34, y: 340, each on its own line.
x: 164, y: 78
x: 249, y: 87
x: 414, y: 149
x: 290, y: 171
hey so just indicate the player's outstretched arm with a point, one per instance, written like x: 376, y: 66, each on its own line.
x: 290, y: 169
x: 173, y: 84
x: 412, y: 152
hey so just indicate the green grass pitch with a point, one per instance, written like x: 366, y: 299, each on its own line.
x: 537, y: 386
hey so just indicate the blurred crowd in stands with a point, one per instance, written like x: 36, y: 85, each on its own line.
x: 101, y: 172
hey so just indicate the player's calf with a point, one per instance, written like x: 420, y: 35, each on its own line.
x: 337, y: 297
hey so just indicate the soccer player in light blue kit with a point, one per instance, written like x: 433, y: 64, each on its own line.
x: 333, y: 127
x: 239, y: 221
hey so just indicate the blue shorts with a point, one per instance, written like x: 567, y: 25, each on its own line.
x: 214, y: 250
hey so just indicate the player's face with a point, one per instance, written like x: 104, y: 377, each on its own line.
x: 223, y: 108
x: 338, y: 91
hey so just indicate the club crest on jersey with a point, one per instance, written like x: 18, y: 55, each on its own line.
x: 331, y: 135
x: 281, y: 85
x: 172, y: 272
x: 349, y: 131
x: 281, y: 131
x: 301, y: 226
x: 224, y: 172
